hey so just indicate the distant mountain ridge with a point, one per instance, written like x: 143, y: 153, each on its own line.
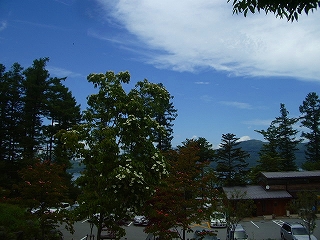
x: 250, y: 146
x: 253, y: 147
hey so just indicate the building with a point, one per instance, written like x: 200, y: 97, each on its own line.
x: 276, y: 189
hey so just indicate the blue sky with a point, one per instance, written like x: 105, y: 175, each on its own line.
x: 227, y: 73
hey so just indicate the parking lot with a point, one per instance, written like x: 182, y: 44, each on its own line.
x: 257, y: 229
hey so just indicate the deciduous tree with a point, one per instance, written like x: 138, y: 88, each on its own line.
x: 161, y: 109
x: 43, y: 187
x: 117, y: 142
x: 237, y: 207
x: 281, y: 8
x: 184, y: 197
x: 305, y: 204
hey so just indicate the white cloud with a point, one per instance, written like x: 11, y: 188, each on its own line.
x: 240, y: 105
x: 244, y: 138
x: 187, y: 35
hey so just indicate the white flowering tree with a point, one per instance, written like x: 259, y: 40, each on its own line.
x: 118, y: 135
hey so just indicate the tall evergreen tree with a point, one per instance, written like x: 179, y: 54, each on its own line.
x: 35, y: 87
x: 269, y: 158
x: 310, y: 119
x: 287, y: 139
x: 231, y: 161
x: 11, y: 112
x: 278, y: 154
x: 10, y: 123
x: 62, y: 113
x: 205, y: 153
x: 28, y: 99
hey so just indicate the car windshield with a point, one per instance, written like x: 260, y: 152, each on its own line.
x: 218, y: 215
x: 240, y: 234
x: 299, y: 231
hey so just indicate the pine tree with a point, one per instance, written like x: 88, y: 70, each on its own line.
x: 231, y: 162
x: 62, y: 113
x: 35, y: 86
x: 287, y: 141
x: 310, y: 119
x: 10, y: 123
x: 278, y: 154
x: 206, y: 152
x: 269, y: 158
x: 11, y: 112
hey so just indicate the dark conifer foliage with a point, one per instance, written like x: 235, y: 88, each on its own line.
x: 35, y: 86
x: 11, y: 130
x: 310, y: 119
x: 287, y: 137
x: 34, y: 107
x: 278, y: 154
x: 231, y: 162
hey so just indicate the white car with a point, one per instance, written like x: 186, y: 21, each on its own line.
x: 140, y: 220
x: 218, y: 219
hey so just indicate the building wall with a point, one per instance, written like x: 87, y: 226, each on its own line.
x: 276, y: 207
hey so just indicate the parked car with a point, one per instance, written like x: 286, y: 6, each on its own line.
x: 205, y: 235
x: 218, y: 219
x: 238, y: 233
x: 294, y: 231
x: 74, y: 206
x: 140, y: 220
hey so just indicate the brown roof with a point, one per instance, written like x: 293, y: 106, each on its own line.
x: 254, y: 192
x: 293, y: 174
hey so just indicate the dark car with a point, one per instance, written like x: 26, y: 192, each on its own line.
x: 205, y: 235
x: 237, y: 233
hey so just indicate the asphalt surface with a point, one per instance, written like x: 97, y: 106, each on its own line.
x: 256, y: 228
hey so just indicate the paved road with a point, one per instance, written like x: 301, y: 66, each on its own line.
x: 257, y: 229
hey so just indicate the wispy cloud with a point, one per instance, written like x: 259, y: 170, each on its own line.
x: 61, y: 72
x: 202, y: 83
x: 240, y: 105
x: 206, y: 98
x: 259, y: 122
x: 3, y: 25
x: 188, y: 35
x: 41, y: 25
x: 65, y: 2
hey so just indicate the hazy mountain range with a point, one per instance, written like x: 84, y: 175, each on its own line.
x: 253, y: 147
